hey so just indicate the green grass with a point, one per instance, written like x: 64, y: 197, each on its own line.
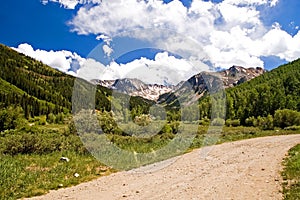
x: 291, y: 174
x: 30, y: 161
x: 31, y: 175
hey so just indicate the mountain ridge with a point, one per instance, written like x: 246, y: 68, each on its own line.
x: 231, y: 77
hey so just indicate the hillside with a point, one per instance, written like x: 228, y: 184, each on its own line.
x: 40, y: 89
x: 263, y: 95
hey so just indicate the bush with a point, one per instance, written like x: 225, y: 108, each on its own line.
x: 9, y: 117
x: 251, y: 121
x: 233, y: 123
x: 51, y: 118
x: 39, y: 141
x: 142, y: 120
x: 285, y: 118
x: 293, y: 128
x: 218, y: 122
x: 265, y: 123
x: 204, y: 121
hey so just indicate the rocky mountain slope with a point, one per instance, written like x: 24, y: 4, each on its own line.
x: 134, y: 87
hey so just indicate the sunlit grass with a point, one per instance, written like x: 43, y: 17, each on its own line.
x: 26, y: 175
x: 31, y: 175
x: 291, y: 174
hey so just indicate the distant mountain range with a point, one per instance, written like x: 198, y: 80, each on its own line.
x: 134, y: 87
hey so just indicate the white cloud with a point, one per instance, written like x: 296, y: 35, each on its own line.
x: 71, y: 4
x: 231, y: 29
x: 253, y: 2
x: 164, y: 67
x: 61, y: 60
x: 239, y: 15
x: 229, y: 33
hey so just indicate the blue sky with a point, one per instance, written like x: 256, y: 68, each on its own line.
x: 52, y: 27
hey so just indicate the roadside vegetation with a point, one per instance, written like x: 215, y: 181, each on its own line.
x: 31, y: 150
x: 291, y: 174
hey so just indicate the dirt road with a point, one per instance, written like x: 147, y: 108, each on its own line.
x: 246, y: 169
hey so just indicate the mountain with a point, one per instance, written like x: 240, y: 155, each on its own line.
x: 236, y: 75
x: 196, y: 86
x: 134, y: 87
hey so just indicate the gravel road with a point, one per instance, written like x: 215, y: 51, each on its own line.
x: 248, y: 169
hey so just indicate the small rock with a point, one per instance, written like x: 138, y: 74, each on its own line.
x: 137, y: 191
x: 124, y: 195
x: 262, y: 169
x: 64, y: 159
x: 267, y: 181
x: 60, y: 185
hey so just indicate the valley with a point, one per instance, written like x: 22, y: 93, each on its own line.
x: 39, y: 123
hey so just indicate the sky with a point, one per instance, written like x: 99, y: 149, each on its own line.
x: 109, y: 39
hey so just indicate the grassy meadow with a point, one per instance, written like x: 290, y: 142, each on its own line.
x: 30, y: 155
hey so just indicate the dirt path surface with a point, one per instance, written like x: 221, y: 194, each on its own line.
x: 246, y: 169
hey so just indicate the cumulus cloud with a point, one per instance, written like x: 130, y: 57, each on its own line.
x: 229, y: 32
x: 164, y: 68
x: 71, y: 4
x: 64, y: 61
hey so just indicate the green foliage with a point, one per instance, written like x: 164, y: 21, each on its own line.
x: 143, y: 120
x: 265, y: 123
x: 234, y: 122
x: 251, y: 121
x: 35, y: 140
x: 37, y: 88
x: 293, y: 128
x: 10, y: 118
x: 291, y: 174
x: 286, y: 117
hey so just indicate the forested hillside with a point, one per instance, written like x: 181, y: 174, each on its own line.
x: 275, y: 90
x: 40, y: 89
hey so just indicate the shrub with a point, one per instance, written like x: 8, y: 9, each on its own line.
x: 142, y: 120
x: 285, y: 118
x: 265, y: 123
x: 233, y: 123
x: 51, y: 118
x: 9, y: 117
x: 251, y: 121
x: 292, y: 128
x: 218, y: 122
